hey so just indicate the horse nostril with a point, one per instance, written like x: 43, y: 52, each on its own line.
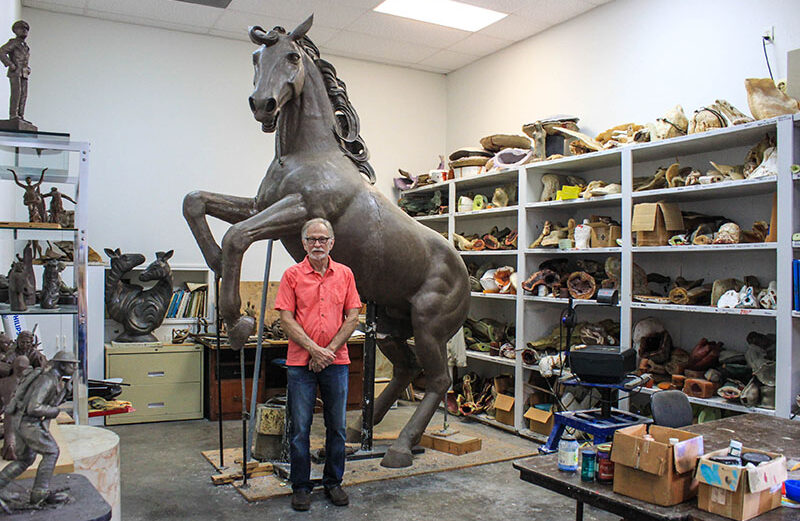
x: 271, y: 104
x: 252, y: 103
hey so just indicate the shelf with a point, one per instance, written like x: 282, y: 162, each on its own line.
x: 427, y: 188
x: 594, y: 202
x: 796, y: 176
x: 796, y: 314
x: 491, y: 212
x: 429, y: 218
x: 718, y: 139
x: 26, y: 233
x: 489, y: 252
x: 5, y: 309
x: 795, y: 244
x: 706, y: 247
x: 587, y: 251
x: 532, y: 436
x: 176, y: 321
x: 723, y: 190
x: 579, y: 163
x: 488, y: 420
x: 706, y: 309
x: 478, y: 355
x: 555, y: 300
x: 499, y: 178
x: 717, y: 402
x: 500, y: 296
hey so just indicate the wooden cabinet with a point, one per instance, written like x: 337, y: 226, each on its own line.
x: 165, y: 382
x: 272, y: 377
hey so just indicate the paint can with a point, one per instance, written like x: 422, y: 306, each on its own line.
x: 568, y: 454
x: 587, y: 465
x: 605, y: 467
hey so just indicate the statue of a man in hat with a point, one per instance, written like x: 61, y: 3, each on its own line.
x: 34, y: 404
x: 15, y: 55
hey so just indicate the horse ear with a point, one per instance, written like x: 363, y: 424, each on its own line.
x: 111, y: 253
x: 118, y: 252
x: 166, y: 255
x: 302, y: 29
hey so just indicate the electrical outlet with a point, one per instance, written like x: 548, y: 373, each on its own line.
x: 768, y: 33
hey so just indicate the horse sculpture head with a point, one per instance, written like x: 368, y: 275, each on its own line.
x: 279, y: 71
x: 159, y: 269
x: 124, y: 262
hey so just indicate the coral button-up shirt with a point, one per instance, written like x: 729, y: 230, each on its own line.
x: 318, y: 303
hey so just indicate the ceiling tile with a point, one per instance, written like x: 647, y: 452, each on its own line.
x: 448, y: 60
x: 44, y: 4
x: 479, y: 45
x: 405, y: 30
x: 58, y: 8
x: 239, y: 22
x: 554, y: 11
x: 173, y: 12
x: 503, y: 6
x: 515, y: 27
x: 138, y: 20
x: 326, y: 12
x: 364, y: 45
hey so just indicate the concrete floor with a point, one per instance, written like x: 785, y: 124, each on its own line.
x: 164, y: 477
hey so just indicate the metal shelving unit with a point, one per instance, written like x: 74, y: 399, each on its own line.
x: 67, y: 162
x: 535, y: 316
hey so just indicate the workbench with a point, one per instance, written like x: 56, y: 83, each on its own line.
x: 753, y: 430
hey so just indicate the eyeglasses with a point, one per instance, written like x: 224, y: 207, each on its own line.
x: 318, y: 240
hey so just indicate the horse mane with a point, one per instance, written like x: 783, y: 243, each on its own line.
x: 347, y: 128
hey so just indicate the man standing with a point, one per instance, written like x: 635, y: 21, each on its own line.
x: 15, y: 55
x: 318, y: 304
x: 34, y: 404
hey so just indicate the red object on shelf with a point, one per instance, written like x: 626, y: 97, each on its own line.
x: 109, y: 412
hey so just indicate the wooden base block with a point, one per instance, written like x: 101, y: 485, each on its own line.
x: 457, y: 444
x: 254, y: 470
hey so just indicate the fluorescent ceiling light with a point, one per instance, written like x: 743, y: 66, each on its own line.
x: 442, y: 12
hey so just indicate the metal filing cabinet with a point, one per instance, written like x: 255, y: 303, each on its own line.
x: 166, y: 382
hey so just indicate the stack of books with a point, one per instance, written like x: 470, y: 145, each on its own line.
x: 190, y: 302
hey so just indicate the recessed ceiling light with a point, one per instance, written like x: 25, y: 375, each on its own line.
x: 442, y: 12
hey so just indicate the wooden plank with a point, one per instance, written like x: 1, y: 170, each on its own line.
x: 457, y: 443
x: 64, y: 464
x: 25, y: 224
x: 256, y: 470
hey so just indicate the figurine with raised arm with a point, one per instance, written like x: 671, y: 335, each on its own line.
x: 34, y: 404
x: 57, y: 212
x: 15, y: 54
x: 33, y: 198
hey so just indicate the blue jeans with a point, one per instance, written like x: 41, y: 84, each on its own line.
x: 302, y: 390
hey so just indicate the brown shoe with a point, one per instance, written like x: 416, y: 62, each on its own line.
x: 337, y: 496
x: 301, y: 500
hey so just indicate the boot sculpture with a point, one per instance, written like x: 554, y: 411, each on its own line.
x: 139, y: 311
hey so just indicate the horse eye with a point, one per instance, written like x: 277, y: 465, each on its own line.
x: 293, y: 57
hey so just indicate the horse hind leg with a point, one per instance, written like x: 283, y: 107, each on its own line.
x: 405, y: 369
x: 431, y: 333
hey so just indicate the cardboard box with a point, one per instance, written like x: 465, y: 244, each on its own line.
x: 604, y: 235
x: 740, y: 493
x: 540, y: 420
x: 504, y: 409
x: 655, y: 471
x: 457, y: 444
x: 655, y: 223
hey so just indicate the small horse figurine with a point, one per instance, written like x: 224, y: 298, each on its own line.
x: 412, y: 273
x: 139, y: 311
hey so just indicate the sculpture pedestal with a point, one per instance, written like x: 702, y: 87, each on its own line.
x: 95, y: 452
x: 17, y: 124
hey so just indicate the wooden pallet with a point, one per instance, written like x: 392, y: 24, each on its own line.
x: 254, y: 470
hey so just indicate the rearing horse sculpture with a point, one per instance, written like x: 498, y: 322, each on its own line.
x: 412, y: 273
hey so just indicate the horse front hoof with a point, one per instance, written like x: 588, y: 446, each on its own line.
x: 397, y: 458
x: 352, y: 435
x: 241, y: 331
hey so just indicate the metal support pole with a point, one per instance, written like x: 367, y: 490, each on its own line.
x: 218, y: 323
x: 368, y: 406
x: 245, y: 416
x: 579, y: 511
x: 259, y: 344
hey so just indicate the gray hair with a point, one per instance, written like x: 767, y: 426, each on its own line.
x: 316, y: 220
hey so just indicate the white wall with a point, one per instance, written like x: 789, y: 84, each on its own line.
x: 166, y: 113
x: 628, y: 60
x: 9, y: 13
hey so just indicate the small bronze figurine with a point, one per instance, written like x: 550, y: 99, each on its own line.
x: 15, y: 54
x: 27, y: 344
x: 33, y: 198
x: 34, y: 404
x: 57, y: 213
x: 51, y: 284
x: 8, y: 385
x: 19, y: 289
